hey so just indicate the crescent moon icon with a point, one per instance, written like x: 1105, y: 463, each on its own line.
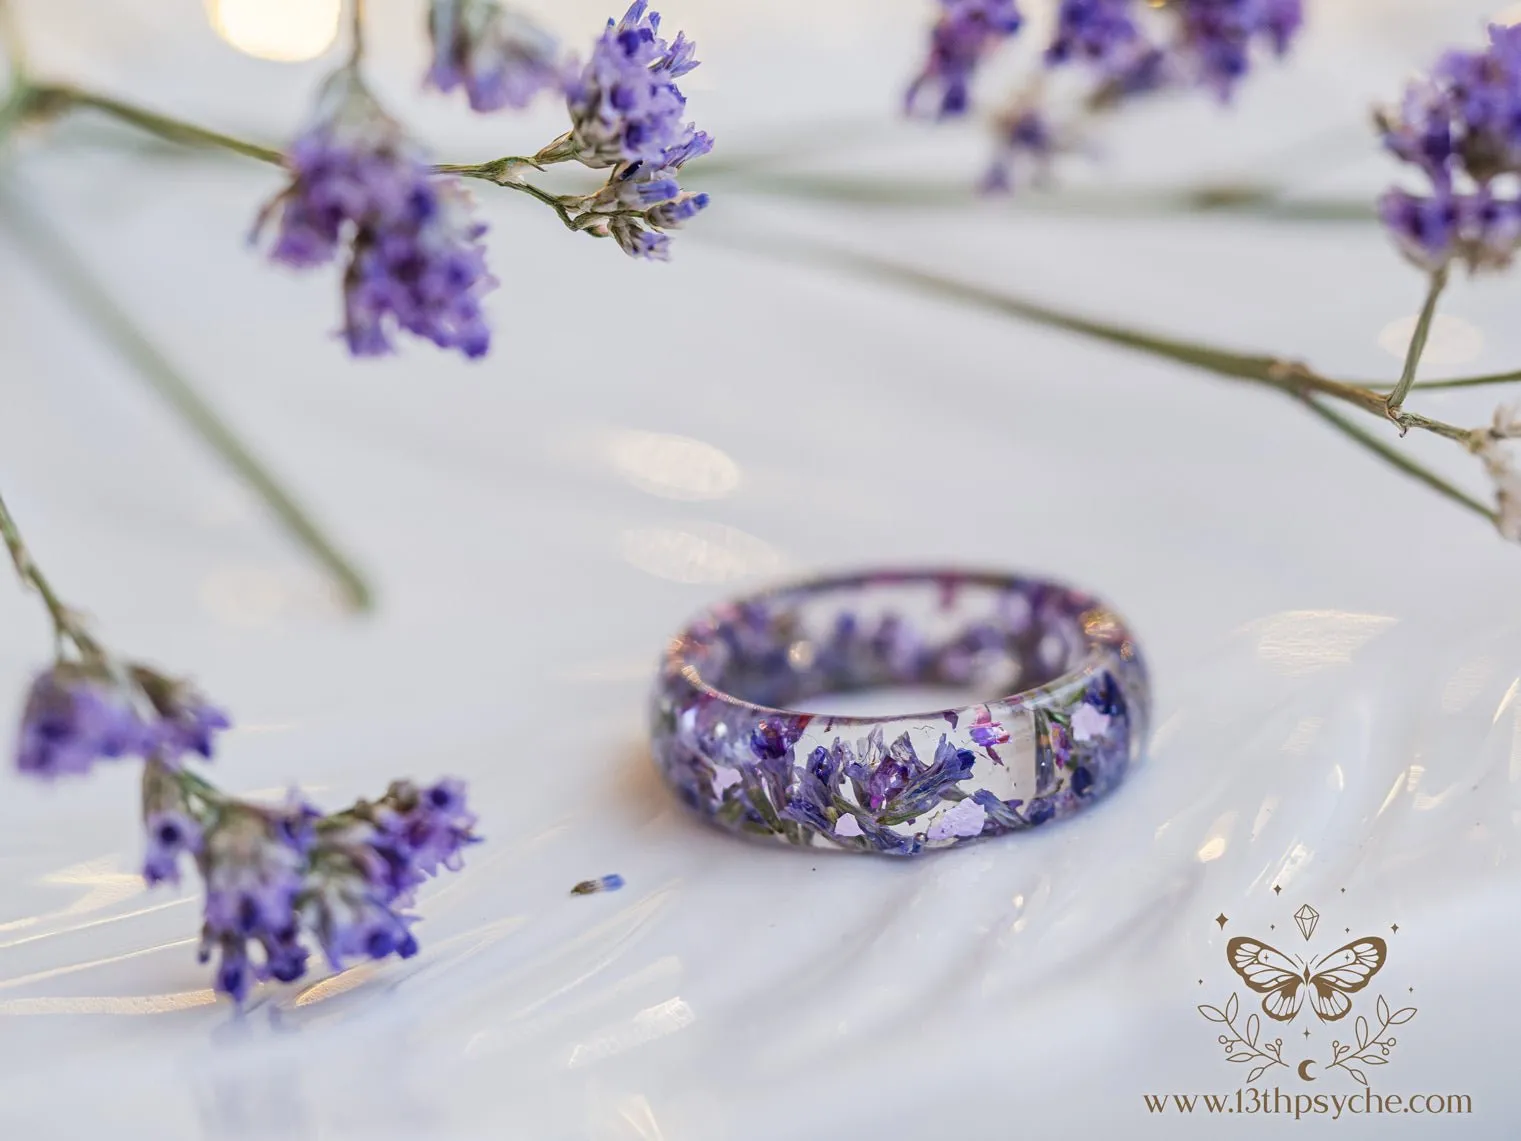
x: 1304, y: 1068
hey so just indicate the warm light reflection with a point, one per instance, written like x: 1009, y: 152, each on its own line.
x: 284, y: 30
x: 646, y: 1026
x: 1218, y: 840
x: 1300, y: 642
x: 1303, y: 736
x: 699, y: 553
x: 111, y: 1004
x: 673, y: 467
x: 1453, y: 341
x: 1466, y: 684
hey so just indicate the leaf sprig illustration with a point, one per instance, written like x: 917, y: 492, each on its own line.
x: 1241, y: 1046
x: 1370, y: 1050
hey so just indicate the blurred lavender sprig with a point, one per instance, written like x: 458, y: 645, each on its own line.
x: 965, y: 33
x: 364, y: 192
x: 1116, y: 51
x: 275, y: 877
x: 499, y: 56
x: 1459, y: 130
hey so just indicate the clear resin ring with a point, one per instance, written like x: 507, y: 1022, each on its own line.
x: 734, y: 737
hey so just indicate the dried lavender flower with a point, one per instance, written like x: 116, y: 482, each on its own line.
x: 77, y: 714
x: 642, y: 201
x: 500, y: 57
x: 1209, y: 43
x: 186, y: 722
x: 1096, y: 31
x: 169, y: 822
x: 965, y: 33
x: 415, y: 262
x: 1460, y: 129
x: 1495, y: 448
x: 1026, y: 142
x: 625, y: 106
x: 274, y: 874
x: 253, y: 861
x: 1128, y: 48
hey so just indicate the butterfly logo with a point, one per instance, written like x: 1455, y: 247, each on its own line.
x: 1284, y: 982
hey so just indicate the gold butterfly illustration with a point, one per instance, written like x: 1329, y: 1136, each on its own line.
x: 1285, y: 981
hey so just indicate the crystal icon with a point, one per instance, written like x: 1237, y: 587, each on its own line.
x: 1307, y: 917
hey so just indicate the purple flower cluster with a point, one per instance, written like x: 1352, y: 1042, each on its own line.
x: 415, y: 261
x: 1094, y: 31
x: 628, y: 113
x: 252, y: 860
x: 965, y: 34
x: 499, y: 57
x: 1217, y: 37
x: 1461, y: 129
x: 642, y: 201
x: 79, y: 713
x: 625, y: 106
x: 272, y: 874
x: 1209, y: 42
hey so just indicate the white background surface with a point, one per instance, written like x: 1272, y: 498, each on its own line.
x: 1336, y: 650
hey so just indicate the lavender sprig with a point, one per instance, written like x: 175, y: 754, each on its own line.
x: 414, y: 259
x: 500, y: 57
x: 272, y: 874
x: 1123, y: 49
x: 1459, y: 129
x: 362, y: 189
x: 1320, y: 394
x: 965, y: 33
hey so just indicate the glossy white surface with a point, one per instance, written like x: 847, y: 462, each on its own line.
x: 1335, y: 650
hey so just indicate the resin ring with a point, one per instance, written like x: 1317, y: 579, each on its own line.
x: 733, y: 737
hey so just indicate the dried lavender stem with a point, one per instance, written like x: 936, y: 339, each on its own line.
x: 1290, y: 377
x: 1400, y: 460
x: 15, y: 46
x: 356, y: 10
x: 65, y: 625
x: 73, y: 278
x: 55, y: 98
x: 1417, y: 347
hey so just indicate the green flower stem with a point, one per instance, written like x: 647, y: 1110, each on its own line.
x: 1470, y: 381
x: 1232, y: 198
x: 356, y: 43
x: 74, y: 281
x: 193, y: 784
x: 65, y: 624
x: 1396, y: 399
x: 15, y: 46
x: 1400, y: 460
x: 49, y: 100
x: 1290, y: 377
